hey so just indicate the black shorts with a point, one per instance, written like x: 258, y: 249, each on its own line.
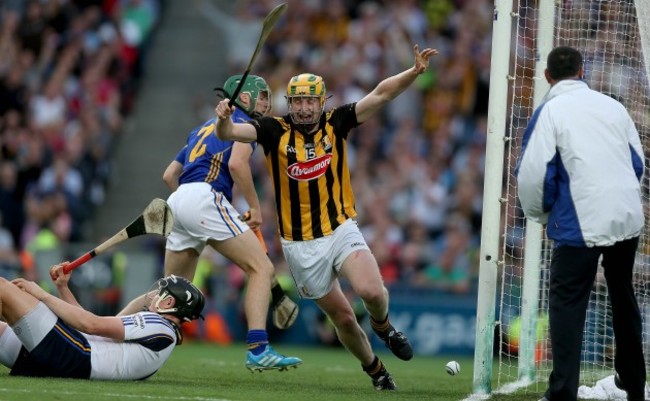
x: 64, y: 352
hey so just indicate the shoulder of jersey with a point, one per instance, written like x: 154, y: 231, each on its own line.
x: 285, y: 125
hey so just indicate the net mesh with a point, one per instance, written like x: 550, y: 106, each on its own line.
x: 611, y: 39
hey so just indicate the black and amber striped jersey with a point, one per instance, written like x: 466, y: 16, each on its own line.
x: 313, y: 193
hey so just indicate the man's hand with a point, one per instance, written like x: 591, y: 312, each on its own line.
x: 224, y: 111
x: 31, y: 287
x: 253, y: 218
x: 422, y: 58
x: 59, y: 276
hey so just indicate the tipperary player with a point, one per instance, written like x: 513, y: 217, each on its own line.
x: 202, y: 180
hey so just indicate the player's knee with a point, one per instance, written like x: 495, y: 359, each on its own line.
x: 263, y: 268
x: 268, y: 270
x: 372, y: 293
x: 344, y: 320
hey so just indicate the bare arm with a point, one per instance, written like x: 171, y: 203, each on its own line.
x: 61, y: 283
x: 136, y: 305
x: 171, y: 175
x: 229, y: 131
x: 391, y: 87
x: 75, y: 316
x: 240, y: 170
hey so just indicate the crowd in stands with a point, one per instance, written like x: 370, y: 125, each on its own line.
x: 69, y: 71
x: 418, y: 168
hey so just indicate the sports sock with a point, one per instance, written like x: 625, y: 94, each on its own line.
x: 380, y: 327
x: 257, y: 340
x: 277, y: 293
x: 375, y: 369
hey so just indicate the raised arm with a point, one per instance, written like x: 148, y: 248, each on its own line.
x: 391, y: 87
x: 75, y: 316
x: 61, y: 283
x: 229, y: 131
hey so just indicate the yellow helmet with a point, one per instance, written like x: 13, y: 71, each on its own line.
x: 306, y: 86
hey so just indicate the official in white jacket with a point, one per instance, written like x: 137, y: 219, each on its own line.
x: 578, y: 173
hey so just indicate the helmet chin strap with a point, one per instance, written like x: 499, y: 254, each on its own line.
x: 162, y: 298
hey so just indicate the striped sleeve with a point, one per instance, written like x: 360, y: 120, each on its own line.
x: 149, y: 330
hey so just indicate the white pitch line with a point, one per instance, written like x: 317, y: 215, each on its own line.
x: 138, y: 396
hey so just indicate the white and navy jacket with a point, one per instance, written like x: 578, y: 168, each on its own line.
x: 580, y: 167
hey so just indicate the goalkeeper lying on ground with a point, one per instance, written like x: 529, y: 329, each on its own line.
x: 46, y: 336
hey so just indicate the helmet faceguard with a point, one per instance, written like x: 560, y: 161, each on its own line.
x: 256, y: 88
x: 306, y: 100
x: 188, y: 300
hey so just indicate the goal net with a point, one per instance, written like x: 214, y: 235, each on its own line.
x: 614, y: 38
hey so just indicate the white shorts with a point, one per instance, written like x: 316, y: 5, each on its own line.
x: 28, y: 331
x: 200, y: 214
x: 315, y: 264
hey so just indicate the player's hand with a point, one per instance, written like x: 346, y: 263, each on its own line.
x: 30, y: 287
x: 59, y: 276
x: 224, y: 111
x: 422, y: 58
x: 253, y: 218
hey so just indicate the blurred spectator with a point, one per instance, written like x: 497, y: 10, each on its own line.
x: 417, y: 252
x: 9, y: 261
x: 49, y: 108
x: 68, y: 73
x: 11, y: 204
x: 452, y: 266
x: 32, y: 26
x: 13, y: 91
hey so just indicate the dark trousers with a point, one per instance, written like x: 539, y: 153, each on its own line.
x: 573, y: 271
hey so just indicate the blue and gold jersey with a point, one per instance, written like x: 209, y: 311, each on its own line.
x: 205, y: 157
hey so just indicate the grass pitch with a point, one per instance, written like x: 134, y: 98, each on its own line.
x: 206, y: 372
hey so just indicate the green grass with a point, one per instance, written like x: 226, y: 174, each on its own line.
x: 209, y: 372
x: 206, y: 372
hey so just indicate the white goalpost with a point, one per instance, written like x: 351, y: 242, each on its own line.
x: 512, y: 348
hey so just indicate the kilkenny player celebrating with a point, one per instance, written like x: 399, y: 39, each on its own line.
x: 306, y: 158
